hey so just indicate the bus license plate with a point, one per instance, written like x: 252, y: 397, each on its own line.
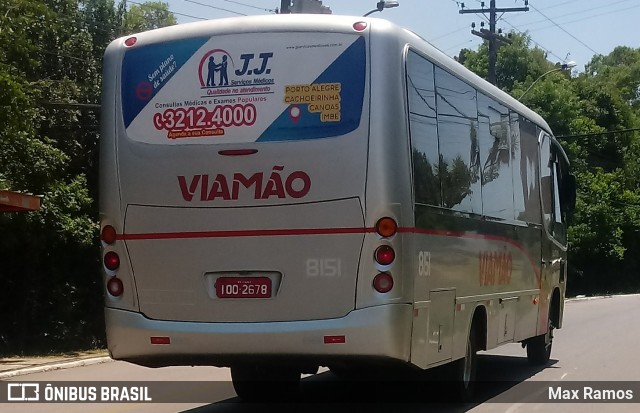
x: 243, y: 287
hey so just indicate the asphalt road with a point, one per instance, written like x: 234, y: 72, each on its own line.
x: 597, y: 348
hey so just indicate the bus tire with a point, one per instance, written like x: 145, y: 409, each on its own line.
x: 264, y: 383
x: 539, y: 347
x: 346, y: 373
x: 466, y: 368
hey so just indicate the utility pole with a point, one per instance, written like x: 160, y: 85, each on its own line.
x: 284, y: 6
x: 490, y: 35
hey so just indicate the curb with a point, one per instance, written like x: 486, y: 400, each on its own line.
x: 598, y: 297
x: 54, y: 366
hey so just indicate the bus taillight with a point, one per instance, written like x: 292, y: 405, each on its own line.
x: 111, y: 261
x: 383, y: 282
x: 115, y: 287
x: 386, y: 227
x: 108, y: 234
x: 385, y: 255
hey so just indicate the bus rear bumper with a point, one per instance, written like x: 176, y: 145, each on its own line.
x: 381, y: 332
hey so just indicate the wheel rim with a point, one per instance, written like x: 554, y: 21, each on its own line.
x: 549, y: 341
x: 466, y: 373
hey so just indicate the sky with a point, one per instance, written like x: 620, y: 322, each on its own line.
x: 569, y: 30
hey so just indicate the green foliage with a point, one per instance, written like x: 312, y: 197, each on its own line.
x: 516, y: 62
x: 50, y: 73
x: 148, y: 16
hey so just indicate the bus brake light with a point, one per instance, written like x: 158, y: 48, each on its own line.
x: 111, y: 261
x: 115, y: 286
x: 385, y: 255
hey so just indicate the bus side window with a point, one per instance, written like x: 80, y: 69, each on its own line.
x: 423, y: 127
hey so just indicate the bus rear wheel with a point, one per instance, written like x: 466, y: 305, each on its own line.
x: 539, y: 347
x: 265, y: 382
x: 465, y: 369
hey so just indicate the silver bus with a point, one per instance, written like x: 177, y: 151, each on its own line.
x: 279, y: 193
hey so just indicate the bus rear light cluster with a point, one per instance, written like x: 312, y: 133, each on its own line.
x: 111, y: 261
x: 383, y: 282
x: 385, y: 255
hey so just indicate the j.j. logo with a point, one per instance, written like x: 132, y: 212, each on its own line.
x: 217, y: 65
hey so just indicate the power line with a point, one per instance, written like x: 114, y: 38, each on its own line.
x: 590, y: 17
x: 548, y: 51
x: 172, y: 12
x: 564, y: 30
x: 250, y: 5
x: 214, y: 7
x: 447, y: 34
x: 586, y: 135
x: 556, y: 5
x: 458, y: 45
x: 573, y: 14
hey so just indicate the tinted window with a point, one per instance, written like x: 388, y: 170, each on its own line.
x: 459, y: 149
x: 424, y: 129
x: 494, y: 132
x: 525, y: 180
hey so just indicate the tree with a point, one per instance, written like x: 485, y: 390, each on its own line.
x: 516, y: 62
x: 148, y: 16
x: 50, y: 69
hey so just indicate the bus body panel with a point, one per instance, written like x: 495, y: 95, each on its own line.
x: 301, y: 248
x: 372, y: 333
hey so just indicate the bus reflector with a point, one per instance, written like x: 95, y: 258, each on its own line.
x: 335, y: 339
x: 385, y: 255
x: 108, y: 234
x: 383, y: 282
x: 115, y: 287
x: 237, y: 152
x: 160, y: 340
x: 111, y: 261
x: 130, y: 41
x: 386, y: 227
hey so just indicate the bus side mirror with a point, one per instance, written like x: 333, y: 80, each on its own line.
x: 569, y: 193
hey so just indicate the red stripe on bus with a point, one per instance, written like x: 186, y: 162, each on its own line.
x: 323, y: 231
x: 243, y: 233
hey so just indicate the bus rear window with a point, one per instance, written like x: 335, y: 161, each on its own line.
x: 244, y: 88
